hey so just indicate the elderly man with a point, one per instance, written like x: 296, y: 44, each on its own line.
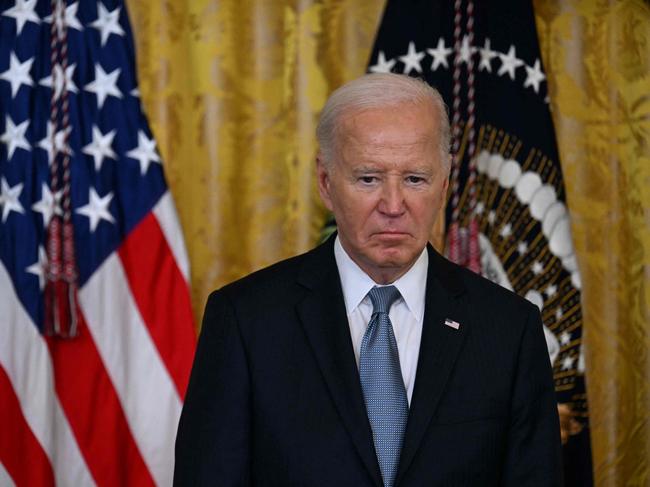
x: 371, y: 360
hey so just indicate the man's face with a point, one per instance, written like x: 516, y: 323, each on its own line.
x: 385, y: 186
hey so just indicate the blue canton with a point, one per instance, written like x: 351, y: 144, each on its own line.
x: 116, y: 175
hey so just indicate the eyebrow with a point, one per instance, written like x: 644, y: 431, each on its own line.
x: 371, y: 169
x: 364, y: 169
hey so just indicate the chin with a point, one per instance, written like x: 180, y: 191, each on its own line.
x: 393, y: 260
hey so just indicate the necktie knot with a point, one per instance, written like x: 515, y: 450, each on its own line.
x: 383, y: 298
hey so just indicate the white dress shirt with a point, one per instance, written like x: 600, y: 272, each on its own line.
x: 406, y: 314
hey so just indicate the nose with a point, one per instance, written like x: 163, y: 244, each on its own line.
x: 392, y: 198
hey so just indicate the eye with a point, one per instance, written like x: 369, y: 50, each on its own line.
x: 368, y: 179
x: 414, y: 179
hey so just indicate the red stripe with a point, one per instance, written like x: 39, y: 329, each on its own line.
x: 20, y: 452
x: 93, y: 409
x: 162, y: 296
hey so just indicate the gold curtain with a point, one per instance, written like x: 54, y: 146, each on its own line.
x: 233, y: 88
x: 597, y: 58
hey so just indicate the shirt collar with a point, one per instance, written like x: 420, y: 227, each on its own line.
x: 356, y: 283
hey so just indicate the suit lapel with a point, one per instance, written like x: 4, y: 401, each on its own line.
x: 323, y: 317
x: 439, y: 347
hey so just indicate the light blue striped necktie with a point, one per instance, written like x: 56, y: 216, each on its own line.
x: 382, y: 383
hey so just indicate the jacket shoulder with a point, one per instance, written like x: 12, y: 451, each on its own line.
x: 481, y: 291
x: 279, y: 282
x: 271, y: 279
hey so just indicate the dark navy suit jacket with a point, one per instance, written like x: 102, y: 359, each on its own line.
x: 275, y: 399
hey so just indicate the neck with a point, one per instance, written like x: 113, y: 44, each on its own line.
x: 384, y: 275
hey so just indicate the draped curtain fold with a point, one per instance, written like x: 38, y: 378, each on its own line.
x: 597, y: 59
x: 233, y: 90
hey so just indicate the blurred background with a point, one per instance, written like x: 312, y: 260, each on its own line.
x: 232, y: 90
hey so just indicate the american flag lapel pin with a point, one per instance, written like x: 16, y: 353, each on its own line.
x: 452, y: 324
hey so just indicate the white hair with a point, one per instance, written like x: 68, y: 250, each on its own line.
x: 379, y: 90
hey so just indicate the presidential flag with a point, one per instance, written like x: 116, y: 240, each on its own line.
x: 507, y: 214
x: 96, y: 329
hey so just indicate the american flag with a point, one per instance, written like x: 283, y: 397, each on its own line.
x: 101, y: 407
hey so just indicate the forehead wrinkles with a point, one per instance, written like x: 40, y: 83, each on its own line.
x: 381, y: 142
x: 388, y: 147
x: 389, y: 128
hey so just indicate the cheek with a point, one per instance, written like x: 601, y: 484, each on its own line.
x: 357, y: 215
x: 356, y: 203
x: 427, y: 211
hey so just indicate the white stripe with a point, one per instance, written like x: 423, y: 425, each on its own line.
x: 146, y: 391
x: 5, y: 478
x: 165, y: 213
x: 26, y: 359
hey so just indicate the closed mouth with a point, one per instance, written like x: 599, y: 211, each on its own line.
x: 391, y: 233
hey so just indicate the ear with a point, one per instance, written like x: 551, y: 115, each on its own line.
x: 324, y: 182
x: 441, y: 195
x: 445, y: 186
